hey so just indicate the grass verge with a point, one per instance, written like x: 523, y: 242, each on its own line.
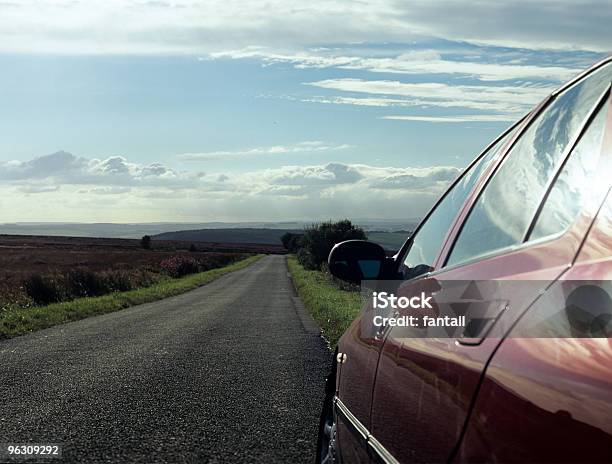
x: 332, y: 308
x: 14, y: 322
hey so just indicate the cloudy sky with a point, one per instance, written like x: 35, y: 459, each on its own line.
x: 143, y: 111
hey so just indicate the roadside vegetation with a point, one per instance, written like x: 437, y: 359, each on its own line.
x: 332, y: 307
x: 56, y: 286
x: 332, y: 303
x: 313, y: 247
x: 54, y: 299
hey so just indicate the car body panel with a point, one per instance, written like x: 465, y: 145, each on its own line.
x: 415, y: 396
x: 361, y: 347
x: 426, y: 426
x: 549, y: 399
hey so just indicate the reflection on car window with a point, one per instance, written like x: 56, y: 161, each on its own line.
x: 504, y: 210
x: 569, y: 192
x: 428, y: 239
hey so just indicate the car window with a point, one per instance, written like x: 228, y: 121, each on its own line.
x: 504, y: 210
x: 428, y: 240
x: 571, y: 187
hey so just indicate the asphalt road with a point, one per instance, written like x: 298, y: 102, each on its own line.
x: 230, y: 372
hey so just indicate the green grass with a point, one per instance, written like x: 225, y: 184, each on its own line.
x: 14, y: 322
x: 331, y: 307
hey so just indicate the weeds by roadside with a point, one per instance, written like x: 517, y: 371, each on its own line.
x: 39, y: 289
x: 18, y: 321
x: 44, y: 289
x: 332, y: 307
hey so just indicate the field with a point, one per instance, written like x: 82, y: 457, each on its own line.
x: 117, y: 260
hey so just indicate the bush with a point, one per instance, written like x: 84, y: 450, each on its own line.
x: 145, y: 242
x: 292, y: 242
x: 193, y: 248
x: 179, y: 266
x: 319, y: 239
x: 306, y: 259
x: 44, y: 290
x: 83, y: 282
x: 122, y: 281
x: 78, y: 283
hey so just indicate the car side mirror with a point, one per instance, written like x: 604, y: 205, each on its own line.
x: 356, y: 260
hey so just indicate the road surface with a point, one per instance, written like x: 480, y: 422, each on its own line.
x: 229, y: 372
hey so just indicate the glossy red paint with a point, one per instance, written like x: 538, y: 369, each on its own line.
x: 362, y: 344
x: 506, y: 399
x: 549, y: 399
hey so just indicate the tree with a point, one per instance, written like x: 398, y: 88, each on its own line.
x: 292, y: 242
x: 319, y: 239
x: 145, y: 242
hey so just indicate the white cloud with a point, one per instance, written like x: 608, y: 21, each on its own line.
x: 329, y: 174
x: 374, y: 36
x: 116, y: 175
x: 454, y: 119
x: 115, y: 189
x: 60, y: 162
x: 191, y: 26
x: 105, y: 190
x: 411, y: 62
x: 38, y: 188
x: 300, y: 147
x: 65, y: 168
x: 369, y: 101
x: 503, y: 99
x: 546, y: 24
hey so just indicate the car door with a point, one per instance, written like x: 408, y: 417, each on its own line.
x: 553, y: 371
x: 425, y: 387
x: 359, y: 348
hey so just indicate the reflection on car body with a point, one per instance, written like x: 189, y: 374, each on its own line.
x: 536, y: 207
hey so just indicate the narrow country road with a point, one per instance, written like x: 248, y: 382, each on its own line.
x: 230, y: 372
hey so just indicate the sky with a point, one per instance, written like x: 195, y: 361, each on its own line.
x: 185, y: 111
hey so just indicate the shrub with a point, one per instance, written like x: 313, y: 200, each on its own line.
x: 193, y: 248
x: 292, y: 242
x: 83, y: 282
x: 306, y: 259
x: 319, y: 239
x: 179, y: 266
x: 145, y: 242
x: 146, y: 278
x: 44, y: 290
x: 120, y: 281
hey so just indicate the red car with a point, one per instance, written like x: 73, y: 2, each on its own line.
x: 532, y: 382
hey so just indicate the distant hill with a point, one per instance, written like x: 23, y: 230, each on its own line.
x: 137, y: 230
x: 390, y: 233
x: 243, y: 235
x: 389, y: 240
